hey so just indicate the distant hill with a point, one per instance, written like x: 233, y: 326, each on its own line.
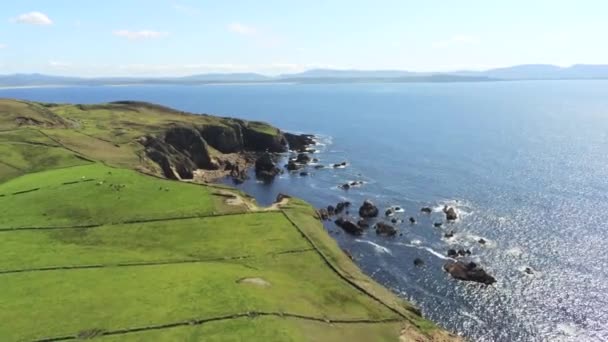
x: 544, y: 72
x: 518, y: 72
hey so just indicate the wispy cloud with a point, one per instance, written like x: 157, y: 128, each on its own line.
x: 460, y: 39
x: 243, y: 29
x: 3, y: 46
x: 33, y: 18
x: 139, y: 35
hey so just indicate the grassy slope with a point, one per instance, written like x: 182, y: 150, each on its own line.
x: 91, y: 248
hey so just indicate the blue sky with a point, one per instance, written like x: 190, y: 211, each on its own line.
x: 181, y: 37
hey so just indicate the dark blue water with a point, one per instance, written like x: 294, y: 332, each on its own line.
x: 525, y: 163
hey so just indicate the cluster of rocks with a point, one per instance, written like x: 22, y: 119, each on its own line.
x: 468, y: 271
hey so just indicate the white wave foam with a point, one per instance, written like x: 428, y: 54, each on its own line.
x: 514, y: 252
x: 378, y: 248
x: 428, y: 249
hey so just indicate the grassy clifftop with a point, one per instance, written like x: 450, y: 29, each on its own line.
x: 92, y: 248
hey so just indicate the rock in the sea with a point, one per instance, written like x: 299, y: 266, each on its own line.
x: 342, y: 164
x: 452, y: 253
x: 482, y: 241
x: 385, y: 229
x: 265, y: 167
x: 437, y: 224
x: 449, y: 234
x: 368, y: 209
x: 528, y: 270
x: 389, y: 212
x: 418, y: 262
x: 341, y: 206
x: 319, y: 167
x: 394, y: 220
x: 344, y: 186
x: 302, y: 158
x: 348, y: 226
x: 412, y: 220
x: 450, y: 213
x: 362, y: 224
x: 299, y: 142
x: 468, y: 272
x: 462, y: 252
x: 304, y: 173
x: 293, y: 166
x: 426, y: 210
x: 331, y: 210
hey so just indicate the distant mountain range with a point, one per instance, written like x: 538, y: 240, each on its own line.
x: 519, y: 72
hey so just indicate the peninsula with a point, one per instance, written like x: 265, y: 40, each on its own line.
x: 111, y: 229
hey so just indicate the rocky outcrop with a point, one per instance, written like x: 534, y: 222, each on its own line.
x: 385, y: 229
x: 265, y: 168
x: 450, y: 213
x: 303, y: 158
x: 349, y: 226
x: 179, y: 152
x: 468, y: 272
x: 299, y: 142
x: 189, y: 142
x: 226, y: 139
x: 368, y: 210
x: 259, y: 140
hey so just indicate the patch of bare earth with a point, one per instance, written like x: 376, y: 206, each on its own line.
x: 254, y: 281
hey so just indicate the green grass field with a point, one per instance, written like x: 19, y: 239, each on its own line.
x: 93, y: 248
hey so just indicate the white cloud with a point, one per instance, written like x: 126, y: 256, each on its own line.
x: 456, y: 40
x: 138, y: 35
x: 242, y: 29
x: 33, y: 18
x: 3, y: 46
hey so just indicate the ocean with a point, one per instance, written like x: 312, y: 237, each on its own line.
x: 524, y: 163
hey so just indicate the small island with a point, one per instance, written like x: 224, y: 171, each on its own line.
x: 112, y: 228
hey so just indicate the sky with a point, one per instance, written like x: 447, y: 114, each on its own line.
x: 184, y: 37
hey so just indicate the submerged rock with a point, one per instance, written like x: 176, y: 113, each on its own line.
x: 418, y: 262
x: 385, y: 229
x: 468, y: 272
x: 342, y: 164
x: 449, y: 234
x: 426, y: 210
x: 368, y: 209
x: 412, y: 220
x: 348, y: 226
x: 482, y: 241
x: 437, y: 224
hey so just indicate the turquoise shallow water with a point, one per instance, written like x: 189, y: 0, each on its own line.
x: 525, y: 163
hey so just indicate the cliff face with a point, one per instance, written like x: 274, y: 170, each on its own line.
x: 180, y: 150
